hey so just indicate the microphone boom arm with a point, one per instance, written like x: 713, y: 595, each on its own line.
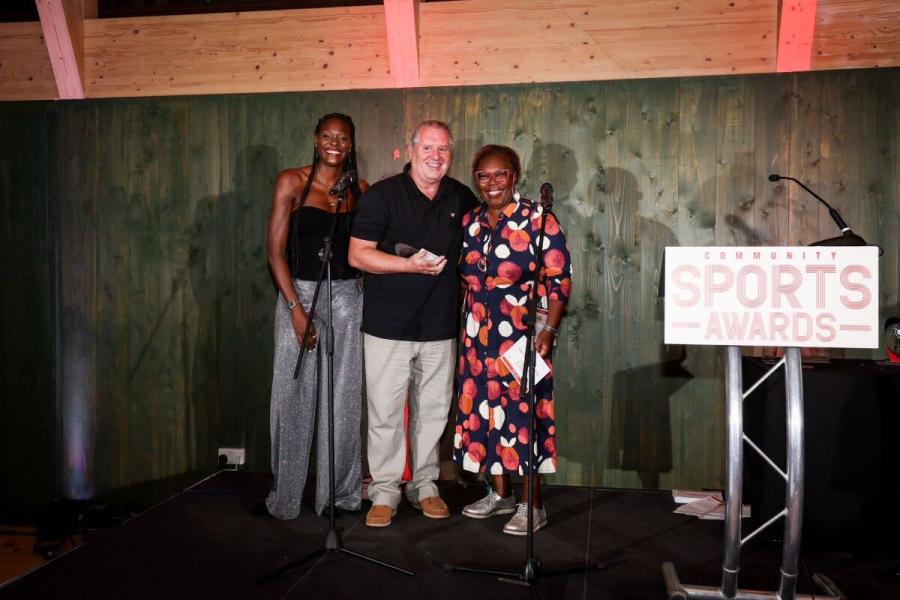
x: 835, y: 215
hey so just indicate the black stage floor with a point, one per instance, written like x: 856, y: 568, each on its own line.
x: 202, y: 543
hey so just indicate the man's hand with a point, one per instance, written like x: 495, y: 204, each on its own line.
x: 421, y: 262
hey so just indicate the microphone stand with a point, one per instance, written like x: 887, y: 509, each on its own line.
x: 333, y: 539
x: 847, y: 237
x: 531, y: 570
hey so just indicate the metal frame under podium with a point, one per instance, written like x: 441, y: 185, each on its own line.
x: 793, y: 476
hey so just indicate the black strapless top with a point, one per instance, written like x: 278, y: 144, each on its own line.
x: 306, y: 236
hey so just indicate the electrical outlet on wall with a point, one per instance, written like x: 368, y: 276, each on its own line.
x: 233, y: 456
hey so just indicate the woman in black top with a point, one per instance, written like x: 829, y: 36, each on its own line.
x: 302, y: 211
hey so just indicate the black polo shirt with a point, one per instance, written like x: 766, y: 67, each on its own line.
x: 410, y: 306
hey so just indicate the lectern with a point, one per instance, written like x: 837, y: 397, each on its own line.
x: 783, y: 297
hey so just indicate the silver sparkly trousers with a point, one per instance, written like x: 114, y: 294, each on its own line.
x: 297, y: 411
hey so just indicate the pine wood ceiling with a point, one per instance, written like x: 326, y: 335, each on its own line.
x: 465, y: 42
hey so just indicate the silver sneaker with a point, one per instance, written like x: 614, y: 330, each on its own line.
x: 518, y: 525
x: 491, y: 505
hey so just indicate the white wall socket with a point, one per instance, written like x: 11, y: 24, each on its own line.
x: 235, y: 456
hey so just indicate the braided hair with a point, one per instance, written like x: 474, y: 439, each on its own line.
x: 293, y: 245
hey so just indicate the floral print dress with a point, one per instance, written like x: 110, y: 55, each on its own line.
x: 497, y: 264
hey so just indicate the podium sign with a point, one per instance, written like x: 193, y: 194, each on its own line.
x: 823, y: 297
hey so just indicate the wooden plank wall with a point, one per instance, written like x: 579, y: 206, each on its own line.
x: 163, y: 204
x: 28, y: 416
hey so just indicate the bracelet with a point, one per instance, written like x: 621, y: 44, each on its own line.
x: 292, y: 304
x: 551, y: 329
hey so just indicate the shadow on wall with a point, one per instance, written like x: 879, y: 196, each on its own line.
x: 557, y: 165
x: 231, y: 368
x: 552, y: 163
x: 648, y: 372
x: 640, y: 437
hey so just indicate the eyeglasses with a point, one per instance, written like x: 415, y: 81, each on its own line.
x: 501, y: 175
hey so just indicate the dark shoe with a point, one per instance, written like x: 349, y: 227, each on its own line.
x: 260, y: 510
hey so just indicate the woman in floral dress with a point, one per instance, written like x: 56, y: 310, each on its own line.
x: 497, y: 267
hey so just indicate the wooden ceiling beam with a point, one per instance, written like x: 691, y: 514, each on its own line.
x: 447, y: 44
x: 856, y: 34
x: 402, y: 41
x: 795, y: 35
x: 62, y: 24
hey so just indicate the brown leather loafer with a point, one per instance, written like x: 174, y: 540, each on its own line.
x: 433, y: 508
x: 380, y: 515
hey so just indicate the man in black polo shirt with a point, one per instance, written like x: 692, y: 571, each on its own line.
x: 407, y: 236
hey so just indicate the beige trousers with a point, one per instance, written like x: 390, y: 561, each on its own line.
x: 426, y: 370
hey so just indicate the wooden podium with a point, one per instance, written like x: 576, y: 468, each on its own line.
x: 783, y: 297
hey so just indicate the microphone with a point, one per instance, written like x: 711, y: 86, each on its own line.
x: 546, y: 195
x: 343, y: 183
x: 847, y: 237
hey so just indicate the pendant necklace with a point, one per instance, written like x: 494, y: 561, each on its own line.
x: 486, y: 248
x: 328, y: 194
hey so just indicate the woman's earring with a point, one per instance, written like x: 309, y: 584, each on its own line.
x: 516, y: 195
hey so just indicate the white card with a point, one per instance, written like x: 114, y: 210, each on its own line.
x: 514, y: 359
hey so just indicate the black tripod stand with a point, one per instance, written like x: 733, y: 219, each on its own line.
x: 531, y: 571
x: 333, y: 539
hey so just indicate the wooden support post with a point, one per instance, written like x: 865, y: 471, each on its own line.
x: 403, y: 41
x: 61, y: 21
x: 795, y: 35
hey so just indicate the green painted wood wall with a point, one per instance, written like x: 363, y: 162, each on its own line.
x: 164, y: 291
x: 28, y: 403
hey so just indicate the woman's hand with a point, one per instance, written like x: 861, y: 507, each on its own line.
x: 299, y: 319
x: 543, y: 343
